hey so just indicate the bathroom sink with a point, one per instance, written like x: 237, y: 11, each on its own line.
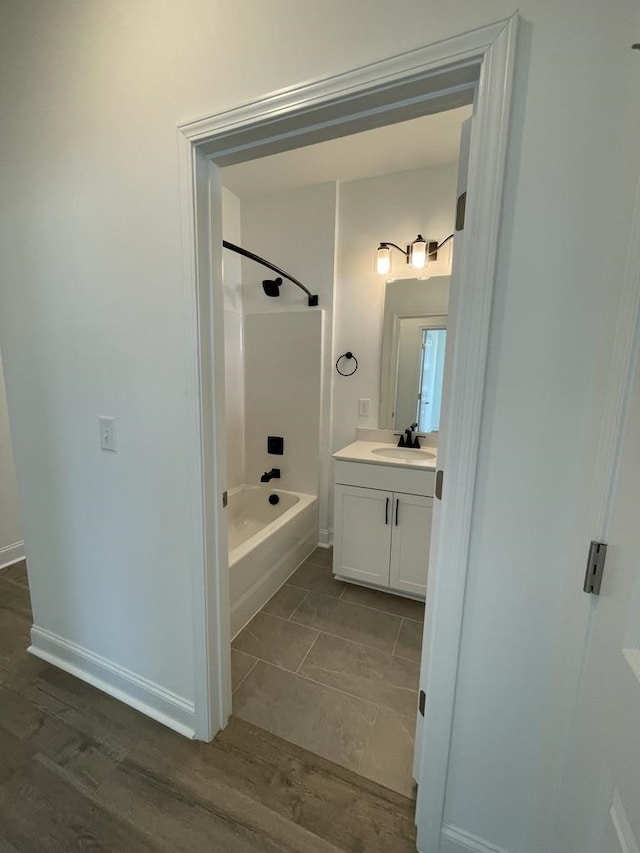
x: 403, y: 453
x: 388, y: 454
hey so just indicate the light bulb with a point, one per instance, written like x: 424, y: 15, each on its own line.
x: 418, y: 257
x: 383, y: 259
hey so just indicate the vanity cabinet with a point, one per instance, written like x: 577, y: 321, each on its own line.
x: 382, y: 535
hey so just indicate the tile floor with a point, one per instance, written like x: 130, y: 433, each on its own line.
x: 333, y: 668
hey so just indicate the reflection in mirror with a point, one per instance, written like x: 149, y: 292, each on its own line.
x: 413, y: 353
x: 431, y: 376
x: 420, y: 370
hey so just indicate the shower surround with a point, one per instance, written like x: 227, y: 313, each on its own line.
x: 273, y: 387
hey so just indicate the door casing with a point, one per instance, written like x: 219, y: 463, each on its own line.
x: 478, y: 66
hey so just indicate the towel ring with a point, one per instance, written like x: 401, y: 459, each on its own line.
x: 349, y: 356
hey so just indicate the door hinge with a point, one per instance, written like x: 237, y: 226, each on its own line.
x: 439, y: 481
x: 461, y: 209
x: 225, y: 499
x: 421, y: 702
x: 595, y: 568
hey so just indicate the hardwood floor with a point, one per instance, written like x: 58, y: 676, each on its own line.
x: 80, y: 771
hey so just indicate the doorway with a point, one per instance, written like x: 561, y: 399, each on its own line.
x: 319, y: 213
x: 475, y: 66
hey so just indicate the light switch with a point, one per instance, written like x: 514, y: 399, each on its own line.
x: 107, y: 427
x: 364, y: 407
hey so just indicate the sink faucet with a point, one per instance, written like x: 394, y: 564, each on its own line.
x: 273, y: 474
x: 407, y: 439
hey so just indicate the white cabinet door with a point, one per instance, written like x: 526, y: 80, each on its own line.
x: 411, y: 525
x: 362, y: 534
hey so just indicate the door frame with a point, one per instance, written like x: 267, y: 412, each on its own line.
x: 430, y: 79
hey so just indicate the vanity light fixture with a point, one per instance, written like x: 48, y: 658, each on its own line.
x: 383, y: 259
x: 417, y: 254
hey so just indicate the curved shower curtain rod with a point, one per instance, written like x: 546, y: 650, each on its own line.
x: 313, y: 299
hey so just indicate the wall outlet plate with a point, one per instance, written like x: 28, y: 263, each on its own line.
x: 364, y: 407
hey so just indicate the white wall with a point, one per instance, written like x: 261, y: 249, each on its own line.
x: 92, y: 320
x: 296, y: 230
x: 391, y: 207
x: 233, y: 342
x: 396, y: 208
x: 11, y: 544
x: 282, y: 380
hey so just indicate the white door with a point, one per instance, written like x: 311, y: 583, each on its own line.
x: 362, y: 535
x: 600, y: 809
x: 410, y: 543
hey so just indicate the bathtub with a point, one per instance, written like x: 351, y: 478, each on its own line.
x: 266, y: 544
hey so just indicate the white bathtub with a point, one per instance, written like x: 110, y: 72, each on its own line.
x: 266, y: 544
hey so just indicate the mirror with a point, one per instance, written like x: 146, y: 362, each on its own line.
x: 414, y: 333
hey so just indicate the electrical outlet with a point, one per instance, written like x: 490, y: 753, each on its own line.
x: 107, y: 427
x: 364, y: 407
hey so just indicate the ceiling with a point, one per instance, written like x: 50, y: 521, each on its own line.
x: 421, y: 142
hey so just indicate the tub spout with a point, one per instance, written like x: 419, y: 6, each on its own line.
x: 273, y: 474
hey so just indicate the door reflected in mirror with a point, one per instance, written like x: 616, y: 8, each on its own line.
x: 413, y: 353
x: 431, y: 377
x: 420, y: 371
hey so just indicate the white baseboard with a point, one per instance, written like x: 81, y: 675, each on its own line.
x: 456, y: 840
x: 326, y: 538
x: 11, y: 554
x: 145, y: 696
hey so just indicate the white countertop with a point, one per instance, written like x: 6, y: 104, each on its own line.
x: 373, y: 453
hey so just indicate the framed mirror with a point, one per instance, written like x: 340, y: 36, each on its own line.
x: 413, y: 350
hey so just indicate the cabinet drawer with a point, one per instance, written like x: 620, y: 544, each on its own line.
x: 390, y: 478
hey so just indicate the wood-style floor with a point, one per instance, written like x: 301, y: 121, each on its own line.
x: 80, y: 771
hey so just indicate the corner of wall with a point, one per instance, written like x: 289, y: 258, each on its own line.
x: 10, y: 554
x: 140, y: 693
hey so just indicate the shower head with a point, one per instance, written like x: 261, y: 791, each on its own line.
x: 271, y: 287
